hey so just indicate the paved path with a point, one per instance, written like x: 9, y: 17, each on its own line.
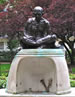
x: 4, y: 94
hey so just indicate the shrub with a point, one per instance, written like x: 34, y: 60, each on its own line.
x: 7, y: 56
x: 72, y: 76
x: 72, y: 82
x: 3, y: 81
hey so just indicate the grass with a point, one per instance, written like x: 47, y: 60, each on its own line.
x: 73, y: 70
x: 4, y: 68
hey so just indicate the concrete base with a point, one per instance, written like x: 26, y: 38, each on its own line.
x: 3, y: 93
x: 39, y: 70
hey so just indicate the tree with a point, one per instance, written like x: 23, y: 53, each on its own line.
x: 64, y: 26
x: 12, y: 45
x: 2, y: 1
x: 60, y: 13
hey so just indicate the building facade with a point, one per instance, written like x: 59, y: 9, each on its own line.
x: 3, y: 44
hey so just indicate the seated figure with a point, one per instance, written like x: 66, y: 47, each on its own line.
x: 37, y: 32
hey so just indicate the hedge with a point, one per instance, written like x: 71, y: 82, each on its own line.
x: 7, y: 56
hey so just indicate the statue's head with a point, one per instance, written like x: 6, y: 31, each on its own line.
x: 38, y: 11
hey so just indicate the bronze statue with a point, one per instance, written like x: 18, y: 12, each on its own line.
x: 37, y: 32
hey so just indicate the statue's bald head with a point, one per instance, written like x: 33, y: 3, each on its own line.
x: 38, y: 10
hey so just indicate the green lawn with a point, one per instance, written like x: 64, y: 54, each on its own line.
x: 4, y: 68
x: 73, y: 70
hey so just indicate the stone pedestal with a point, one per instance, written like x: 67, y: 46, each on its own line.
x: 39, y: 70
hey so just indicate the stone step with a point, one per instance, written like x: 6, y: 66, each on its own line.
x: 3, y: 93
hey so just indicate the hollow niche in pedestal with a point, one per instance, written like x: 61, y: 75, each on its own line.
x: 36, y: 75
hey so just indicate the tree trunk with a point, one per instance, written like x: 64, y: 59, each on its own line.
x: 69, y: 53
x: 72, y: 56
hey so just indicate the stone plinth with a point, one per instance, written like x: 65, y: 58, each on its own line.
x: 39, y: 70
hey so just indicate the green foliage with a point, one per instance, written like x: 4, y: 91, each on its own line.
x: 72, y: 76
x: 72, y: 80
x: 3, y: 81
x: 73, y: 70
x: 4, y: 69
x: 2, y: 1
x: 12, y: 44
x: 6, y: 56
